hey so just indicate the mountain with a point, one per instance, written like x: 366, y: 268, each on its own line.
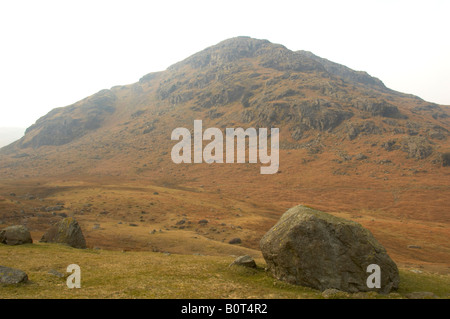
x: 10, y: 134
x: 348, y: 144
x: 238, y: 82
x: 251, y: 83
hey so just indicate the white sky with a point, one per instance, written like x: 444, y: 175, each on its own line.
x: 54, y: 53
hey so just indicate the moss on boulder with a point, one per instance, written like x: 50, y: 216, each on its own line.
x: 66, y: 231
x: 311, y: 248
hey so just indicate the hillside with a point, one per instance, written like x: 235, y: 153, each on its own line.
x: 348, y: 145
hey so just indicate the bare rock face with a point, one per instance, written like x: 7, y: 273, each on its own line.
x: 314, y: 249
x: 15, y: 235
x: 66, y: 231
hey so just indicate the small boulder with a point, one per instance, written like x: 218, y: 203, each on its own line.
x: 12, y: 276
x: 245, y: 261
x: 56, y: 273
x: 67, y: 231
x: 15, y: 235
x: 235, y: 241
x: 315, y: 249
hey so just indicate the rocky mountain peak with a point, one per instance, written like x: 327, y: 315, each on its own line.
x: 268, y: 54
x: 224, y: 52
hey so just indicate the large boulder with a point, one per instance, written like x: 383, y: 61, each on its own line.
x: 315, y: 249
x: 11, y: 276
x: 67, y: 231
x: 15, y: 235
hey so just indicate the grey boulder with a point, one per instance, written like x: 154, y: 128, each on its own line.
x: 15, y: 235
x: 66, y: 231
x: 311, y: 248
x: 245, y: 261
x: 12, y: 276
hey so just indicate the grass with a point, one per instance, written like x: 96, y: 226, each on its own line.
x: 116, y: 274
x: 436, y: 283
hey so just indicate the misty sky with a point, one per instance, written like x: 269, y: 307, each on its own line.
x: 54, y: 53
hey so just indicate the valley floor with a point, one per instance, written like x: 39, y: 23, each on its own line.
x: 114, y: 274
x: 160, y: 240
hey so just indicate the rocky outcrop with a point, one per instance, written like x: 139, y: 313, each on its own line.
x: 361, y: 128
x: 66, y: 231
x: 378, y: 108
x: 322, y: 115
x: 390, y: 145
x: 417, y: 147
x: 319, y: 114
x: 226, y: 96
x: 314, y: 249
x: 15, y: 235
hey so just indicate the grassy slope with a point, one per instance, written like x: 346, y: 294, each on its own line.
x: 115, y: 274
